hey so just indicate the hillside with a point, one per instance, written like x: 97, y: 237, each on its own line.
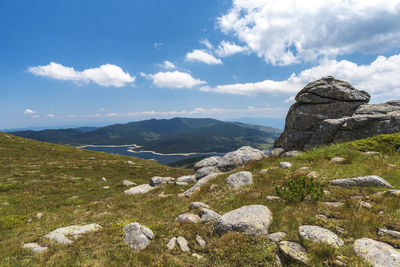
x: 165, y: 136
x: 64, y: 184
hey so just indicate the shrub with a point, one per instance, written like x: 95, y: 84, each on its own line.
x: 300, y: 189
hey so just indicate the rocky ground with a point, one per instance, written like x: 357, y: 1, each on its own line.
x: 64, y: 206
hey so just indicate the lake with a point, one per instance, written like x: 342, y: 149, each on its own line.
x: 129, y: 150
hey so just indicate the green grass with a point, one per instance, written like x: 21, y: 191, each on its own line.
x: 42, y: 177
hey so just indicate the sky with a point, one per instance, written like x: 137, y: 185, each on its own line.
x: 98, y: 62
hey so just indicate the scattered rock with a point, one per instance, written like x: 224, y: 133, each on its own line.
x: 129, y: 162
x: 389, y: 233
x: 157, y: 181
x: 35, y: 248
x: 377, y: 253
x: 60, y: 235
x: 294, y: 251
x: 273, y: 198
x: 208, y: 215
x: 313, y: 175
x: 326, y: 192
x: 391, y: 166
x: 340, y: 230
x: 362, y: 181
x: 304, y: 169
x: 289, y: 154
x: 205, y: 171
x: 200, y: 241
x: 104, y: 179
x: 363, y: 204
x: 183, y: 244
x: 333, y: 204
x: 370, y: 153
x: 39, y: 215
x: 181, y: 183
x: 128, y: 183
x: 140, y: 189
x: 321, y: 217
x: 197, y: 186
x: 239, y: 157
x: 276, y: 237
x: 187, y: 179
x: 263, y: 171
x: 285, y: 165
x: 276, y: 152
x: 197, y: 256
x: 188, y: 218
x: 137, y: 236
x: 239, y: 179
x: 171, y: 243
x: 337, y: 160
x: 106, y: 187
x: 320, y: 235
x: 198, y: 205
x: 250, y: 220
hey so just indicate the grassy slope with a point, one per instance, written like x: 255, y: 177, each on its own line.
x: 40, y: 177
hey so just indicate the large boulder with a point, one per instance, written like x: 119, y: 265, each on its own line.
x: 239, y: 157
x: 137, y: 236
x: 377, y: 253
x: 239, y: 179
x: 320, y: 235
x: 251, y: 220
x: 330, y: 111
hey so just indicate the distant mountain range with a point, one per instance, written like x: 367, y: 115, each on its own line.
x: 165, y: 136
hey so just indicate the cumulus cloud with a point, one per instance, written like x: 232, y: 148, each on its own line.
x: 380, y: 78
x: 105, y: 75
x: 29, y: 111
x: 168, y: 65
x: 290, y: 31
x: 202, y: 56
x: 227, y: 48
x: 174, y: 79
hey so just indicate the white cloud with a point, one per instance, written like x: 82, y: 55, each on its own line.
x: 168, y: 65
x: 226, y: 49
x: 380, y: 78
x: 105, y: 75
x: 206, y: 43
x: 50, y: 115
x: 174, y: 79
x: 291, y: 31
x: 29, y: 111
x: 202, y: 56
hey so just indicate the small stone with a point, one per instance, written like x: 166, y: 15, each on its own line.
x: 181, y: 183
x: 128, y: 183
x: 183, y: 244
x: 239, y: 179
x: 197, y: 256
x: 370, y: 153
x: 391, y: 166
x: 303, y: 169
x: 276, y: 152
x: 137, y: 236
x: 285, y: 165
x: 276, y: 237
x: 171, y: 243
x: 104, y: 179
x: 139, y: 189
x: 263, y: 171
x: 337, y: 160
x: 333, y: 204
x: 35, y: 248
x: 340, y: 230
x: 294, y: 251
x: 320, y: 235
x: 380, y: 212
x: 313, y: 175
x: 198, y: 205
x: 389, y: 233
x: 106, y: 187
x: 321, y: 217
x: 326, y: 192
x: 363, y: 204
x: 208, y: 215
x: 292, y: 153
x: 39, y: 215
x: 273, y: 198
x: 188, y: 218
x: 200, y: 241
x: 92, y: 158
x: 157, y: 181
x: 187, y: 179
x: 377, y: 253
x: 129, y: 162
x: 74, y: 197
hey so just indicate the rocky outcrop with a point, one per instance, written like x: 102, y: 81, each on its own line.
x: 137, y: 236
x: 331, y: 111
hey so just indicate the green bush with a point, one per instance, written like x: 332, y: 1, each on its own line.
x: 299, y: 189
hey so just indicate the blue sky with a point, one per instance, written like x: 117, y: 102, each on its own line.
x: 95, y: 62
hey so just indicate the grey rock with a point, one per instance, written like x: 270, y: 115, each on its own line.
x: 294, y: 251
x: 128, y: 183
x: 200, y: 241
x: 239, y: 179
x: 140, y: 189
x: 181, y: 183
x: 276, y: 152
x: 171, y: 243
x: 39, y: 215
x: 371, y: 153
x: 273, y: 198
x: 263, y: 171
x: 137, y: 236
x: 103, y: 179
x: 250, y: 220
x: 197, y: 256
x: 292, y: 153
x: 198, y: 205
x: 211, y: 161
x: 362, y: 181
x: 333, y: 204
x: 321, y: 217
x: 320, y: 235
x: 205, y: 171
x: 377, y: 253
x: 393, y: 193
x: 207, y: 215
x: 276, y: 237
x: 188, y: 218
x: 197, y: 186
x: 183, y: 244
x: 35, y: 248
x: 157, y: 181
x: 285, y: 165
x: 337, y: 160
x: 239, y: 157
x: 363, y: 204
x: 187, y: 179
x: 60, y: 234
x: 389, y: 233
